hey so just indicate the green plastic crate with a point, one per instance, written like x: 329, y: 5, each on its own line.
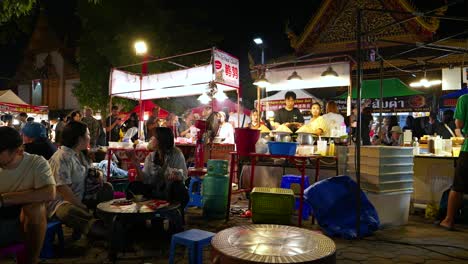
x: 272, y: 205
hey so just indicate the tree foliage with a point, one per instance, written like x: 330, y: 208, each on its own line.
x: 110, y: 29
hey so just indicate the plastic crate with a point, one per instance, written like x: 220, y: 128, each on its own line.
x: 387, y: 177
x: 388, y: 186
x: 282, y: 148
x: 379, y: 151
x: 272, y: 205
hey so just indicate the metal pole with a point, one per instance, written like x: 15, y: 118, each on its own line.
x: 381, y: 99
x: 358, y: 127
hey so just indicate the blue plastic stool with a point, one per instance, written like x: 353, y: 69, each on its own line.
x: 195, y: 195
x: 287, y: 181
x: 194, y: 240
x: 53, y: 228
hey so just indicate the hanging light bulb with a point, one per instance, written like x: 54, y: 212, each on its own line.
x: 424, y: 82
x: 294, y: 77
x: 204, y: 98
x: 262, y: 82
x: 220, y: 96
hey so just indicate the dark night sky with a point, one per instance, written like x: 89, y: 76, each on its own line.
x: 239, y: 23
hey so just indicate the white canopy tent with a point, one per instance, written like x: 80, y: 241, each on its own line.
x: 8, y: 96
x: 223, y: 70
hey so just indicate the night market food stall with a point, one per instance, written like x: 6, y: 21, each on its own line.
x: 211, y: 80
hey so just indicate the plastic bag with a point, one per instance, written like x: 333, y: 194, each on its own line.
x: 261, y: 146
x: 333, y: 203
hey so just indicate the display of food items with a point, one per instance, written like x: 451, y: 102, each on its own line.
x: 264, y: 129
x: 305, y: 129
x: 457, y: 140
x: 283, y: 129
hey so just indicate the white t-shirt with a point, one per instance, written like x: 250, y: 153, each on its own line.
x: 33, y: 172
x: 333, y: 121
x: 226, y: 131
x: 233, y: 118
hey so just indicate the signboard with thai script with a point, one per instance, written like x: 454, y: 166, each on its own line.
x: 226, y: 68
x: 273, y: 105
x: 18, y: 108
x: 413, y: 103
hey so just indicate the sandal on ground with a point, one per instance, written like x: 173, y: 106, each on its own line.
x: 448, y: 228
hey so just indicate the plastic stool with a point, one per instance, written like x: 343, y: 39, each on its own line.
x: 195, y: 196
x: 17, y: 249
x: 194, y: 240
x: 287, y: 181
x: 53, y: 228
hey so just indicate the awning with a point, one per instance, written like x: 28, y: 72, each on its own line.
x: 391, y: 87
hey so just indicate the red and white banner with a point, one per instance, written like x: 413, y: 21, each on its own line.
x: 273, y: 105
x: 226, y: 68
x: 18, y: 108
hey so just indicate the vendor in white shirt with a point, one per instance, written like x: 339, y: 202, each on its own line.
x: 333, y: 119
x: 225, y: 131
x: 243, y: 119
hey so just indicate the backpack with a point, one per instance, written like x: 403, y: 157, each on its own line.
x: 461, y: 217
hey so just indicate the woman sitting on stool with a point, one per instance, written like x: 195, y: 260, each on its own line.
x: 164, y: 173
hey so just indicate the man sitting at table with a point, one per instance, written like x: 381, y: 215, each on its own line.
x: 288, y: 114
x: 164, y: 172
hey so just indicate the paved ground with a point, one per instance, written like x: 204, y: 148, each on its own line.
x: 417, y: 242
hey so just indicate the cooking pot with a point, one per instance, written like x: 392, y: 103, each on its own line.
x: 282, y: 137
x: 266, y: 136
x: 305, y: 138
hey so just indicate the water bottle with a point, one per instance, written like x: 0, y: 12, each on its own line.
x: 415, y: 146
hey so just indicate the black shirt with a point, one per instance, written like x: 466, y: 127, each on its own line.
x: 41, y: 147
x: 284, y: 116
x: 115, y: 132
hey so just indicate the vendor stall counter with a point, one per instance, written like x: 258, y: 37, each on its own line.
x: 299, y: 162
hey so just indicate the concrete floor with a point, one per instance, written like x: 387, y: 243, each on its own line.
x: 417, y: 242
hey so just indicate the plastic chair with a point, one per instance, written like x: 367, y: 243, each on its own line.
x: 195, y: 195
x: 194, y: 240
x: 294, y: 182
x: 16, y: 249
x: 53, y: 228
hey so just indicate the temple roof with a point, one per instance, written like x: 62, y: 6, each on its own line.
x: 333, y: 27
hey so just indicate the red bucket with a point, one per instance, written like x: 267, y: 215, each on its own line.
x: 246, y: 139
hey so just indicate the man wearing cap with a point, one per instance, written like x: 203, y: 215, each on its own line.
x: 460, y: 181
x: 26, y: 183
x: 396, y: 139
x: 36, y: 141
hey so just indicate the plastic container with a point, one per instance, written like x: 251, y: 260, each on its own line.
x: 387, y: 168
x: 215, y: 196
x: 392, y: 208
x: 387, y: 177
x: 387, y: 160
x: 272, y: 205
x: 456, y: 151
x: 377, y: 151
x: 245, y: 139
x: 385, y: 187
x: 282, y: 148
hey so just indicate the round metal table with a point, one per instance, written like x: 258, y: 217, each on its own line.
x: 122, y: 215
x: 271, y: 244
